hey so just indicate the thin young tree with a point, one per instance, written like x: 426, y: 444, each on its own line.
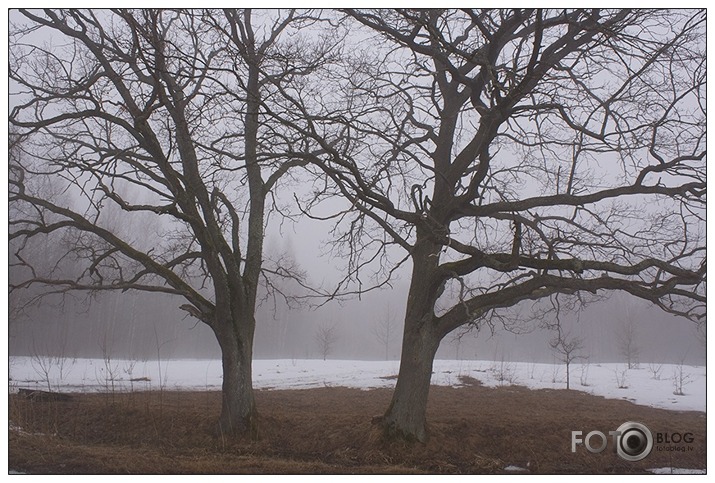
x: 325, y: 338
x: 385, y: 331
x: 514, y: 155
x: 568, y: 349
x: 158, y: 114
x: 627, y: 341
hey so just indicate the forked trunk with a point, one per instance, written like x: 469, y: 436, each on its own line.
x: 238, y: 407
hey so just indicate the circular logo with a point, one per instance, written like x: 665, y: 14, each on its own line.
x: 634, y: 442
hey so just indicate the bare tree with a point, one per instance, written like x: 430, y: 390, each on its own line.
x: 627, y: 340
x: 325, y: 338
x: 50, y: 356
x: 514, y: 155
x: 157, y: 114
x: 680, y: 378
x: 507, y: 154
x: 42, y: 362
x: 385, y: 330
x: 568, y: 349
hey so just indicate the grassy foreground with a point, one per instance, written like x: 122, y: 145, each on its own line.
x: 328, y: 430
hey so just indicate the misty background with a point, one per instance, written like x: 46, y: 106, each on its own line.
x: 140, y: 325
x: 143, y: 326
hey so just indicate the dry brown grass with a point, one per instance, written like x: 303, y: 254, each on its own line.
x: 473, y: 430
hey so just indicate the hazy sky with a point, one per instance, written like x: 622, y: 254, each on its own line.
x: 142, y: 325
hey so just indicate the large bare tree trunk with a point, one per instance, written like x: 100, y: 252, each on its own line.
x: 406, y: 416
x: 238, y: 408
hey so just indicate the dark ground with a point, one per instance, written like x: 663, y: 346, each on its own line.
x: 473, y: 430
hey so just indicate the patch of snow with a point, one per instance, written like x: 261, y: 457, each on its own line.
x: 97, y: 375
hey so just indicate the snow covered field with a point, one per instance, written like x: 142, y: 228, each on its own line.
x: 651, y: 384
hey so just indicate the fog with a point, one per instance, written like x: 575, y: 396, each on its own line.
x: 149, y: 326
x: 140, y: 325
x: 145, y: 325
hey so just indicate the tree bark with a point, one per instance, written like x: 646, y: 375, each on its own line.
x: 406, y: 416
x: 238, y: 407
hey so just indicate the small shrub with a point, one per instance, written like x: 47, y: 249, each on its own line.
x: 655, y: 369
x: 584, y: 374
x: 680, y: 380
x: 621, y: 377
x: 504, y: 372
